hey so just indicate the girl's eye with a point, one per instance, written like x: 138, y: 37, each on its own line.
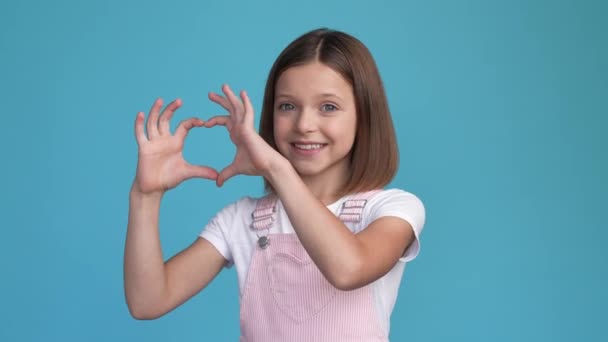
x: 286, y: 106
x: 328, y: 107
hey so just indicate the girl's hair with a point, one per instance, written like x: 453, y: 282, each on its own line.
x: 374, y: 155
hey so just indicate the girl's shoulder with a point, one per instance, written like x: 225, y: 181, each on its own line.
x: 385, y: 196
x: 396, y: 202
x: 244, y: 206
x: 239, y: 208
x: 394, y: 194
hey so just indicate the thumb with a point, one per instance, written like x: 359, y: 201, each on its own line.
x: 227, y: 173
x: 196, y: 171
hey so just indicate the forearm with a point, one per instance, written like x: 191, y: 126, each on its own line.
x: 333, y: 247
x: 144, y: 274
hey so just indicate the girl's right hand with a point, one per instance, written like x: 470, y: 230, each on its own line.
x: 161, y: 165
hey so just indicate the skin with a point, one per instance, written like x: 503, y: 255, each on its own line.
x: 313, y: 104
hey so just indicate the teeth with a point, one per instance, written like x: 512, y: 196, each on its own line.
x: 308, y: 146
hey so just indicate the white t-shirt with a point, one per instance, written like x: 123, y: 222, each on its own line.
x: 229, y: 231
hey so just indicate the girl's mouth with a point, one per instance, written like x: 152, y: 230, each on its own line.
x: 307, y: 148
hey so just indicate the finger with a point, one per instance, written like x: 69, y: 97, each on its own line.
x: 234, y: 101
x: 140, y: 135
x: 249, y: 114
x: 221, y: 120
x: 227, y: 173
x: 165, y: 117
x: 185, y: 126
x: 196, y: 171
x: 152, y: 125
x: 222, y: 101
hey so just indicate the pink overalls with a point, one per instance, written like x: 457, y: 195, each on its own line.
x: 287, y: 299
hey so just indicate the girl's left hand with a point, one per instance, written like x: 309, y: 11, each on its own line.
x: 253, y: 155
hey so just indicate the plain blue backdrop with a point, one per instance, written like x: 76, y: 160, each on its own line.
x: 501, y: 114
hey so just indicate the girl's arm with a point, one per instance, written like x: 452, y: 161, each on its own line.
x: 347, y: 260
x: 153, y: 287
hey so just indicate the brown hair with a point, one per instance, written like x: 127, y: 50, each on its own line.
x: 374, y: 155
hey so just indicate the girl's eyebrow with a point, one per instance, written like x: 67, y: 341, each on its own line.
x: 283, y: 95
x: 323, y: 95
x: 330, y: 95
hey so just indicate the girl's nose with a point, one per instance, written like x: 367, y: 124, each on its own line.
x: 306, y: 121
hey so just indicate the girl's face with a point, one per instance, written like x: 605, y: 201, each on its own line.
x: 315, y: 121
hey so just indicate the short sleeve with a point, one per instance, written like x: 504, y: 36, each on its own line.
x: 402, y: 204
x: 217, y: 231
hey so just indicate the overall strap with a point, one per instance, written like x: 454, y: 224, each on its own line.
x: 264, y: 213
x: 352, y: 209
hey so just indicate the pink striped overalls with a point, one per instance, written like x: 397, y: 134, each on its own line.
x: 287, y: 299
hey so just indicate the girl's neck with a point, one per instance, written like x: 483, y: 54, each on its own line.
x: 326, y: 189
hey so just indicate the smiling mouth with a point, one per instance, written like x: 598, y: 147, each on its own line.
x: 308, y: 147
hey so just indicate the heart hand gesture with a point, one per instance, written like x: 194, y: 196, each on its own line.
x: 253, y: 155
x: 161, y: 165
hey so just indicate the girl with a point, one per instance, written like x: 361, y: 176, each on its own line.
x: 320, y: 258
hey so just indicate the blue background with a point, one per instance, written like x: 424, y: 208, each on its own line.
x: 501, y: 113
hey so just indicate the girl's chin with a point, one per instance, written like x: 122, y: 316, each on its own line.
x: 305, y: 170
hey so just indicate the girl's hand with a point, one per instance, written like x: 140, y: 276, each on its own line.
x: 161, y: 165
x: 253, y: 155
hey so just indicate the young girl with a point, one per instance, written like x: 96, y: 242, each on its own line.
x: 320, y: 258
